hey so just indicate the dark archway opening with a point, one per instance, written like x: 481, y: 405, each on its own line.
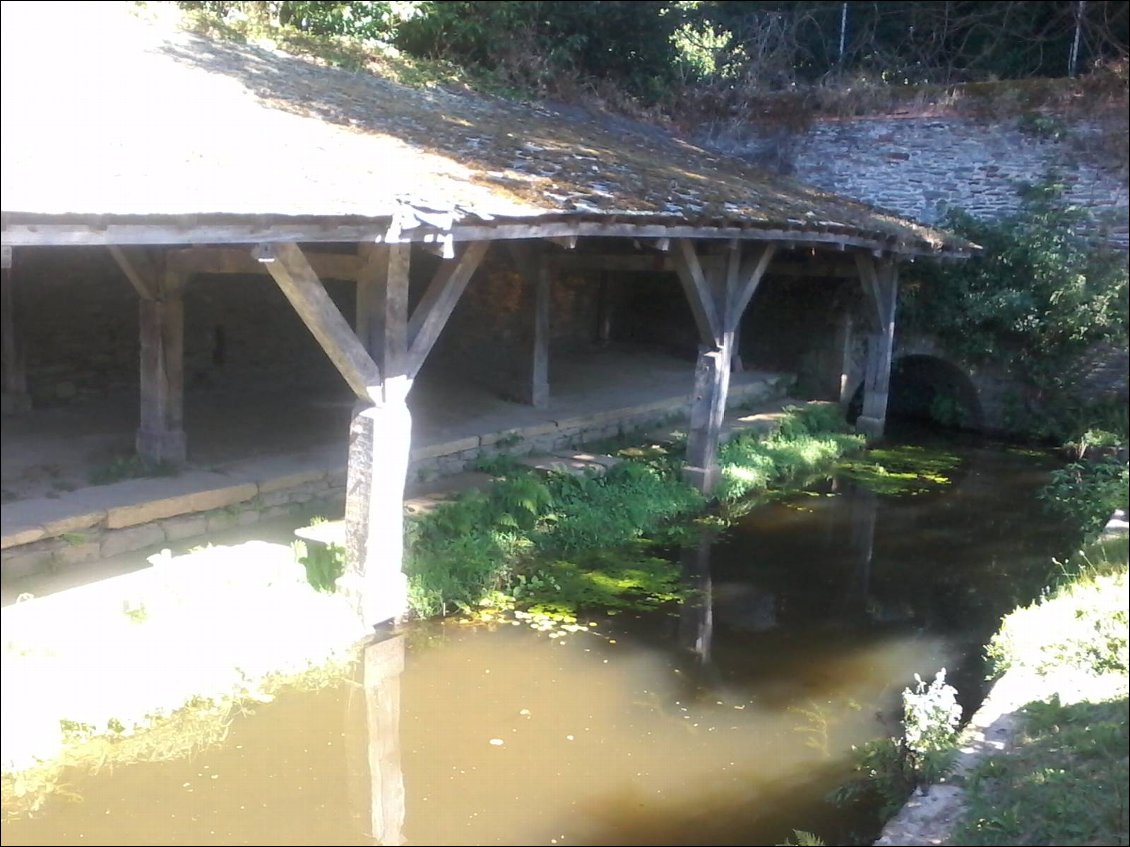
x: 928, y: 390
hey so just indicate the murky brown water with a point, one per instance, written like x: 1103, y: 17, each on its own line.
x: 725, y: 723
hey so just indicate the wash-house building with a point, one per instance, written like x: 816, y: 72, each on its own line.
x: 204, y: 228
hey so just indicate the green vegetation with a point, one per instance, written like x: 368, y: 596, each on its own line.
x: 805, y: 443
x: 1088, y: 491
x: 1065, y: 780
x: 692, y: 57
x: 901, y: 469
x: 1037, y: 300
x: 129, y: 467
x: 559, y: 543
x: 889, y: 769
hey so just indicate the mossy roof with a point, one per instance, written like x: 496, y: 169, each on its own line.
x: 126, y: 118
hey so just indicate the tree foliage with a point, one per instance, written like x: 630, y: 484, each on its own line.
x: 654, y: 50
x: 1037, y: 299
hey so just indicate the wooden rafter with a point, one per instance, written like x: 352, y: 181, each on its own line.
x: 438, y: 302
x: 297, y: 280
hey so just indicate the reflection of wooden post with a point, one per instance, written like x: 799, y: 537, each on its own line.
x: 864, y: 505
x: 384, y: 663
x: 696, y: 617
x: 15, y: 375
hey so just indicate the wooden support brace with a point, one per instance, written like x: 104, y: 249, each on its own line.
x: 698, y: 291
x: 301, y: 286
x: 752, y: 270
x: 438, y: 302
x: 139, y: 269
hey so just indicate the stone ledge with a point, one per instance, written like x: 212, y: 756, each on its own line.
x: 19, y: 536
x: 169, y: 507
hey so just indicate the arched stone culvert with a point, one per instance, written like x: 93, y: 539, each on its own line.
x: 930, y: 388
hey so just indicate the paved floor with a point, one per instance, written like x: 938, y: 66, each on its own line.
x: 51, y: 452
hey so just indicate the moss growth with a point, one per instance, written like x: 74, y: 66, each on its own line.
x: 901, y: 470
x: 559, y: 544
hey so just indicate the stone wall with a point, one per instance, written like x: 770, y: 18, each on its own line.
x: 76, y: 321
x: 921, y: 165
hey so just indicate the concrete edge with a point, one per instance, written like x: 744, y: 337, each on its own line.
x: 246, y: 486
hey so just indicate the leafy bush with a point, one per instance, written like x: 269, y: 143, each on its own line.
x: 1036, y: 299
x: 1088, y: 491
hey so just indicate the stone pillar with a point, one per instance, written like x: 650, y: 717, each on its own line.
x: 708, y: 406
x: 15, y: 396
x: 160, y: 436
x: 379, y: 442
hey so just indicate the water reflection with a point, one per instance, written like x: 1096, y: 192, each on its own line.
x: 727, y: 720
x: 373, y: 743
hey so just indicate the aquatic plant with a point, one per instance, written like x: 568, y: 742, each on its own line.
x: 889, y: 769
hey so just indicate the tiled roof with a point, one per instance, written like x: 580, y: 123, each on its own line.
x: 120, y: 117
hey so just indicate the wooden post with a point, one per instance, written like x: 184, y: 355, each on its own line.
x: 15, y: 396
x: 380, y: 436
x: 160, y: 434
x: 844, y: 337
x: 535, y: 267
x: 605, y: 311
x: 880, y: 285
x: 539, y: 354
x: 719, y: 295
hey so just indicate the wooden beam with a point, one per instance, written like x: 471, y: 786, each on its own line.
x: 752, y: 270
x: 139, y: 269
x: 339, y: 230
x: 394, y: 352
x: 234, y: 260
x: 698, y: 291
x: 372, y: 281
x: 438, y: 302
x: 301, y: 286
